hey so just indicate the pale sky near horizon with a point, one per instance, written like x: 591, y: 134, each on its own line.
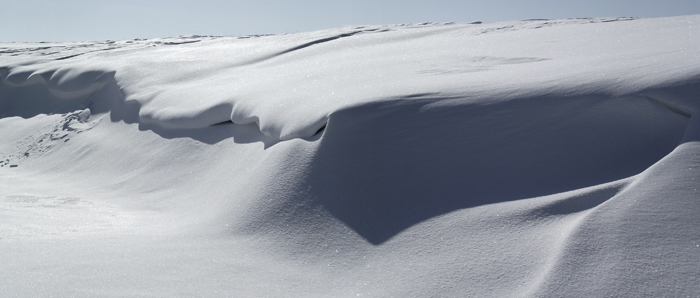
x: 92, y: 20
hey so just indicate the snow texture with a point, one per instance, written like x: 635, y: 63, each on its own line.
x: 538, y: 158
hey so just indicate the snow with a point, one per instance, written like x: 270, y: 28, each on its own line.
x: 522, y: 159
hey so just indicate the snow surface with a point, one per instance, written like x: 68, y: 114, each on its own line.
x: 540, y: 158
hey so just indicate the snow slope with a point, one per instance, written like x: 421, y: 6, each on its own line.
x: 539, y: 158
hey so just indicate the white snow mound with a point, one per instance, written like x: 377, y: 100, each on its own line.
x: 538, y: 158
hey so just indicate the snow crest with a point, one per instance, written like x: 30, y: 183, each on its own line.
x: 288, y: 84
x: 424, y: 160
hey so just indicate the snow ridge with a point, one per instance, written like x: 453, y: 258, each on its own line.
x: 532, y: 158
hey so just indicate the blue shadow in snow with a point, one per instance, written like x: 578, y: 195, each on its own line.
x: 383, y: 167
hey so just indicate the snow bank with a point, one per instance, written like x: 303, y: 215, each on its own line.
x: 289, y: 84
x: 533, y: 158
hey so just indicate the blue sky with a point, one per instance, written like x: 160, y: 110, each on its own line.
x: 82, y: 20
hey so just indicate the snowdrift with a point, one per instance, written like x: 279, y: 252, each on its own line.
x: 534, y: 158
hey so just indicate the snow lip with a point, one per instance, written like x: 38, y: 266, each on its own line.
x: 263, y: 82
x: 486, y: 160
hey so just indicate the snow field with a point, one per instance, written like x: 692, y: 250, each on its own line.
x: 522, y: 159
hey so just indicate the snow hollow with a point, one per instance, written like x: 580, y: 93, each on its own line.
x: 541, y: 158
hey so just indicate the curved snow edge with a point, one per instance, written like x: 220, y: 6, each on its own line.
x: 69, y: 88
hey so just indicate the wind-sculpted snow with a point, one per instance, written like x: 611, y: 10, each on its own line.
x: 568, y: 144
x: 269, y: 80
x: 26, y: 93
x: 538, y: 158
